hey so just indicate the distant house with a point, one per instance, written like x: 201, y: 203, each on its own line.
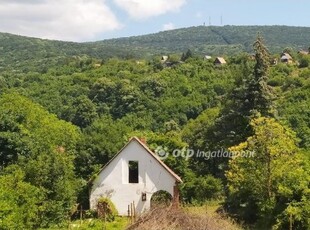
x: 134, y: 175
x: 286, y: 58
x: 303, y: 52
x: 219, y: 61
x: 207, y: 57
x: 164, y: 59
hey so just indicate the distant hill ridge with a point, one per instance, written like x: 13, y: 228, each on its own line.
x: 211, y: 40
x: 203, y: 39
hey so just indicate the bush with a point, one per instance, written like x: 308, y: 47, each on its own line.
x: 201, y: 189
x: 276, y: 81
x: 304, y: 62
x: 106, y: 209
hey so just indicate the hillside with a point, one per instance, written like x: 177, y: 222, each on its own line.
x: 24, y: 53
x: 217, y: 40
x: 232, y: 132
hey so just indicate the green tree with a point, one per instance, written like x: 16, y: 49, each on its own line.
x: 199, y: 134
x: 20, y: 201
x: 85, y: 111
x: 259, y: 93
x: 263, y: 187
x: 26, y: 129
x: 251, y: 96
x: 97, y: 148
x: 187, y: 55
x: 44, y: 147
x: 199, y: 189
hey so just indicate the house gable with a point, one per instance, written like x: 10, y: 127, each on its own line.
x: 219, y: 61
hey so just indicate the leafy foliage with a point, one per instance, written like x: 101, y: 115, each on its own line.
x: 106, y: 206
x: 264, y: 187
x: 43, y: 147
x: 19, y: 200
x: 75, y: 108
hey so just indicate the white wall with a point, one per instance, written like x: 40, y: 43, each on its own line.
x: 112, y: 182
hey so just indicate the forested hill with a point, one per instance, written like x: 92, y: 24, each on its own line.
x: 238, y: 134
x: 217, y: 39
x: 18, y: 51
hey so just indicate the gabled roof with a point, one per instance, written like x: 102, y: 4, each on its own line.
x: 164, y: 58
x: 220, y: 60
x: 149, y: 152
x: 286, y: 56
x: 303, y: 52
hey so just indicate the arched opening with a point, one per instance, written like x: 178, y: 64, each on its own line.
x: 161, y: 198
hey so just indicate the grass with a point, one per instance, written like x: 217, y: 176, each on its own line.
x: 119, y: 223
x: 96, y: 224
x: 203, y: 217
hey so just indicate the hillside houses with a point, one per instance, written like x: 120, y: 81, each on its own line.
x: 286, y: 58
x: 219, y: 61
x: 304, y: 52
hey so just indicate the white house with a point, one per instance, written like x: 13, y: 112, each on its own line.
x: 133, y: 175
x: 286, y: 58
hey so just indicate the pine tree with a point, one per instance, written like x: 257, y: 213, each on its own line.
x: 252, y: 97
x: 260, y: 95
x: 187, y: 55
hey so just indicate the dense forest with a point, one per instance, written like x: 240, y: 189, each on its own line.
x: 66, y: 109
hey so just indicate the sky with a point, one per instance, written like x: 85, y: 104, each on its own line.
x: 93, y: 20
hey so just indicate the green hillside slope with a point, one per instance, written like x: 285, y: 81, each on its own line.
x: 18, y: 51
x: 217, y: 40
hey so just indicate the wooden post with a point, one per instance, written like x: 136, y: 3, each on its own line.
x: 128, y: 212
x: 131, y: 211
x: 81, y: 214
x: 134, y: 211
x: 176, y: 197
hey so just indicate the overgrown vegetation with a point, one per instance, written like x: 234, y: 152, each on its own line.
x: 60, y: 122
x: 169, y: 218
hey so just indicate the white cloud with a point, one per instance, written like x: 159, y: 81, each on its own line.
x: 75, y: 20
x: 168, y: 26
x: 142, y: 9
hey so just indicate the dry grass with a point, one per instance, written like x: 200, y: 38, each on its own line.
x: 169, y: 218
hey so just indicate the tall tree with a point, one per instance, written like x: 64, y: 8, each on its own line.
x: 43, y: 147
x: 262, y: 185
x: 251, y: 96
x: 259, y: 94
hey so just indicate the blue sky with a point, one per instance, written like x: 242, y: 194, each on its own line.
x: 90, y: 20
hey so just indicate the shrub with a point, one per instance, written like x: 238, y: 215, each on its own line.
x: 106, y: 209
x: 203, y: 188
x: 304, y: 62
x: 276, y: 81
